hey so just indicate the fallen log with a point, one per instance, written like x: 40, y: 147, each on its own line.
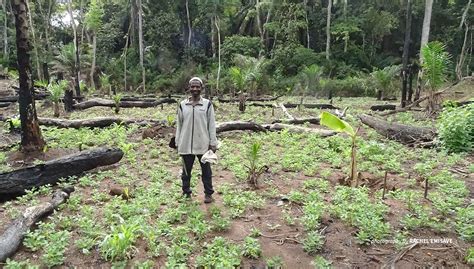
x: 290, y: 117
x: 139, y: 99
x: 11, y: 239
x: 299, y: 121
x: 415, y: 103
x: 14, y: 98
x: 252, y: 126
x: 239, y: 125
x: 16, y: 182
x: 400, y: 132
x: 383, y: 107
x: 5, y: 104
x: 100, y: 122
x: 290, y: 105
x: 95, y: 122
x: 251, y: 99
x: 125, y: 104
x: 298, y: 129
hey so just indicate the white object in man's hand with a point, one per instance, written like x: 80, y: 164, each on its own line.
x: 209, y: 157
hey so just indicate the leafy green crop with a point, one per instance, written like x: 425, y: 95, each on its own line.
x: 456, y: 128
x: 220, y: 253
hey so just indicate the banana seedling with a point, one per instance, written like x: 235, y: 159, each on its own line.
x: 338, y: 125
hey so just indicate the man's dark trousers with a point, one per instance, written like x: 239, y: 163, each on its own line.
x: 186, y: 174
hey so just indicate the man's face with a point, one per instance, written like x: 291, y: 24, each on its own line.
x: 195, y: 88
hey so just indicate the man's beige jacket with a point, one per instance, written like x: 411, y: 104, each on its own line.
x: 196, y: 127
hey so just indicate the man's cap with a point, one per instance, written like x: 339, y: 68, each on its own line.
x: 196, y: 79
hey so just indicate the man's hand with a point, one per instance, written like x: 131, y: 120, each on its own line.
x: 213, y: 148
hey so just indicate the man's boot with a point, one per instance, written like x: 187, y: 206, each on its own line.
x: 208, y: 199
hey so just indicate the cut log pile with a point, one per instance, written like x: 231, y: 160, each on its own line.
x: 16, y: 182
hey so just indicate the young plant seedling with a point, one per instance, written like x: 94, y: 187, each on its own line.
x: 254, y: 170
x: 338, y: 125
x: 56, y: 91
x: 117, y: 98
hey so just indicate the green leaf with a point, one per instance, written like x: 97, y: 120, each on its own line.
x: 336, y: 124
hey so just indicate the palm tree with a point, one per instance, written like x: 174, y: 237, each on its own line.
x: 64, y: 62
x: 56, y: 91
x: 383, y: 79
x: 64, y: 65
x: 311, y: 75
x: 435, y: 68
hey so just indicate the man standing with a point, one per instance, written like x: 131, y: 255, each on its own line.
x: 195, y: 135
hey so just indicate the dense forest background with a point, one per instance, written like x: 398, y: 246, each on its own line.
x: 255, y: 46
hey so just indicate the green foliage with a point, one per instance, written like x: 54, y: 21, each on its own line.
x: 435, y: 63
x: 313, y: 242
x: 275, y: 262
x: 117, y: 99
x: 12, y: 264
x: 118, y: 244
x: 311, y: 75
x: 93, y: 18
x: 321, y: 263
x: 336, y: 124
x: 237, y: 77
x: 353, y: 205
x: 470, y: 256
x: 251, y: 248
x: 254, y: 169
x: 464, y: 225
x: 13, y: 124
x: 456, y: 128
x: 220, y: 253
x: 105, y: 83
x: 54, y: 251
x: 384, y: 79
x: 289, y: 59
x: 243, y: 45
x: 56, y: 90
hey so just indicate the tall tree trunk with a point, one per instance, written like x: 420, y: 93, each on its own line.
x: 219, y: 52
x: 46, y: 17
x: 405, y: 56
x: 464, y: 14
x: 141, y: 41
x: 305, y: 3
x: 5, y: 31
x: 190, y: 29
x: 345, y: 10
x: 213, y: 38
x: 425, y: 34
x: 134, y: 22
x: 77, y: 63
x: 127, y: 38
x: 460, y: 63
x: 328, y: 30
x: 259, y: 22
x: 35, y: 44
x: 31, y: 138
x: 94, y: 52
x: 267, y: 20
